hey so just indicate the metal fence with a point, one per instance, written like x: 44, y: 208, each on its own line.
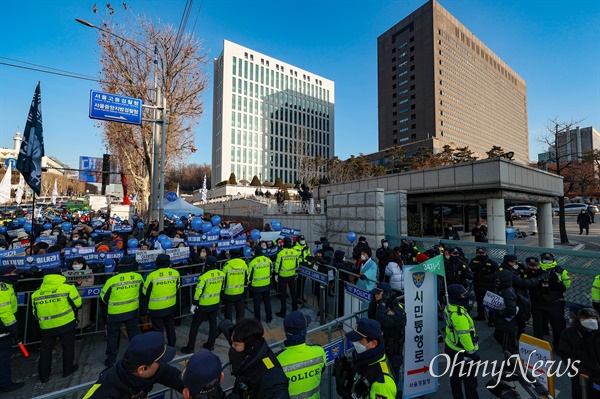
x: 582, y: 266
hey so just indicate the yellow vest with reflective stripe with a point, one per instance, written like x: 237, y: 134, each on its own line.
x: 303, y: 364
x: 460, y: 329
x: 8, y: 307
x: 596, y: 290
x: 260, y: 270
x: 208, y: 290
x: 53, y: 302
x: 287, y: 262
x: 124, y: 294
x: 165, y: 283
x: 235, y: 271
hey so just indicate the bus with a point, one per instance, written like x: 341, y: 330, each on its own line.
x: 74, y: 205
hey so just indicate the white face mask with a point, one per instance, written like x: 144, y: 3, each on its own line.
x: 55, y: 233
x: 515, y: 266
x: 590, y: 324
x: 302, y: 242
x: 77, y: 267
x: 447, y: 256
x: 363, y: 257
x: 385, y: 244
x: 344, y: 259
x: 358, y: 347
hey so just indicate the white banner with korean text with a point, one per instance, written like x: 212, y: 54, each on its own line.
x: 421, y: 345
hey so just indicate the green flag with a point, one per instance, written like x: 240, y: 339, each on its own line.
x: 433, y: 265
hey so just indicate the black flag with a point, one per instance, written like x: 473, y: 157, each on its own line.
x: 29, y: 162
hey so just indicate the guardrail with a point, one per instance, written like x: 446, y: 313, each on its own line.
x: 335, y: 348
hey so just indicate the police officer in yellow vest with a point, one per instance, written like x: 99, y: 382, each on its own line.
x: 205, y: 305
x: 286, y: 267
x: 259, y: 278
x: 373, y: 376
x: 9, y: 329
x: 55, y: 305
x: 302, y: 364
x: 596, y: 293
x: 236, y: 273
x: 462, y: 341
x: 160, y: 294
x: 122, y: 294
x: 303, y: 252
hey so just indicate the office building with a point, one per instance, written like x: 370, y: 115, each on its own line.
x: 573, y: 145
x: 438, y: 84
x: 267, y: 116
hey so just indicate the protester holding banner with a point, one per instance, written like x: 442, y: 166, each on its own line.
x: 373, y: 376
x: 236, y: 274
x: 389, y: 312
x: 259, y: 280
x: 504, y: 319
x: 54, y: 306
x: 462, y: 341
x: 286, y: 268
x: 160, y: 296
x: 581, y: 342
x: 9, y: 328
x: 122, y: 294
x: 205, y: 305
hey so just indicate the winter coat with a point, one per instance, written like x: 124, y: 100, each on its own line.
x: 532, y: 224
x: 394, y: 271
x: 451, y: 234
x: 583, y: 220
x: 508, y: 293
x: 579, y: 343
x: 369, y: 270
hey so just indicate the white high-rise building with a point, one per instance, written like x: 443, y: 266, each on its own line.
x: 267, y: 115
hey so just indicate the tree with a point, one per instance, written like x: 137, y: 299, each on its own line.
x: 128, y: 68
x: 463, y: 154
x: 557, y: 138
x: 190, y: 177
x: 397, y: 158
x: 279, y: 183
x: 232, y: 179
x: 255, y: 182
x: 496, y: 152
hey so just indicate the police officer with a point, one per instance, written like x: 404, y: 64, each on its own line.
x: 373, y: 376
x: 462, y: 341
x: 160, y: 294
x: 205, y: 305
x: 236, y: 273
x: 257, y: 371
x: 286, y: 266
x: 457, y: 271
x: 259, y: 279
x: 202, y: 377
x: 547, y: 300
x: 389, y: 312
x: 504, y: 319
x: 122, y: 294
x: 54, y: 306
x: 483, y: 269
x: 302, y: 364
x: 143, y: 365
x: 303, y: 253
x: 9, y: 329
x: 548, y: 264
x: 596, y: 293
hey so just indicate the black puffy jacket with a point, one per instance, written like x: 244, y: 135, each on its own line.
x: 392, y: 317
x: 508, y: 293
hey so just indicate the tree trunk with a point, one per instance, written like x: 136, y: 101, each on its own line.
x: 561, y: 221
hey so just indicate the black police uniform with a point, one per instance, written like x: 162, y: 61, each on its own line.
x: 546, y: 306
x: 483, y: 269
x: 457, y: 271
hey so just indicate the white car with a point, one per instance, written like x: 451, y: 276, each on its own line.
x: 524, y: 211
x: 571, y: 209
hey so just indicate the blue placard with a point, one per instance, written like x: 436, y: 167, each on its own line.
x: 335, y: 349
x: 12, y: 252
x: 90, y: 292
x: 358, y: 292
x: 122, y: 228
x: 225, y: 245
x: 20, y: 299
x: 192, y: 279
x: 289, y: 232
x: 270, y: 251
x: 103, y: 232
x: 204, y: 240
x: 40, y: 261
x: 313, y: 274
x: 115, y: 108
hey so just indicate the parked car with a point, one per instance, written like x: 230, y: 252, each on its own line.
x: 523, y: 211
x: 571, y: 209
x: 593, y: 208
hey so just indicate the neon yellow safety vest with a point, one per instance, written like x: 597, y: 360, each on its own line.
x: 236, y: 271
x: 54, y: 301
x: 208, y: 290
x: 161, y: 288
x: 377, y: 390
x: 460, y: 329
x: 286, y: 263
x: 303, y: 252
x: 596, y: 291
x: 303, y: 364
x: 563, y: 276
x: 260, y: 271
x: 122, y: 292
x: 8, y: 307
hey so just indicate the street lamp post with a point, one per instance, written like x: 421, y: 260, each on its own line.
x: 159, y: 134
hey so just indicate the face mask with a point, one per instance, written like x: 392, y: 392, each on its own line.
x: 385, y: 244
x: 302, y: 242
x: 203, y: 254
x: 77, y: 267
x: 363, y: 257
x: 344, y: 259
x: 515, y: 267
x: 449, y: 228
x: 358, y: 347
x: 590, y: 324
x: 480, y: 257
x: 265, y: 247
x: 453, y: 259
x: 447, y: 256
x: 55, y: 233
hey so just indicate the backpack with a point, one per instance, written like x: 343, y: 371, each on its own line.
x: 524, y: 305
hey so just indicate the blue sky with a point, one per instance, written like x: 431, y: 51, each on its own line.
x: 553, y: 45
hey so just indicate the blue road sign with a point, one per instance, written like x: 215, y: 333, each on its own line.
x: 115, y: 108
